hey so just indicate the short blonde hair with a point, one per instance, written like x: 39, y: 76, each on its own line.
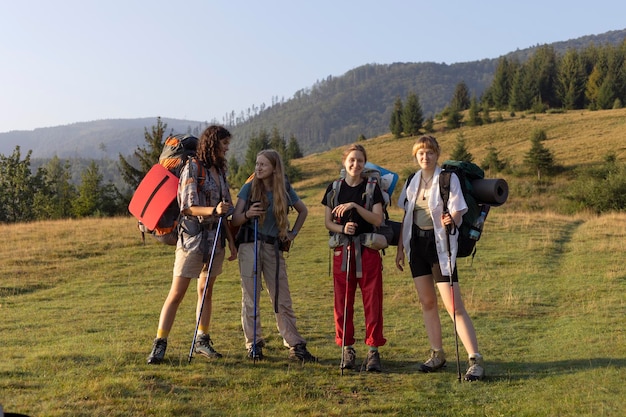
x: 426, y: 142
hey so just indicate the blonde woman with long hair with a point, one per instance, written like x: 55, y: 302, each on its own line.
x: 266, y: 199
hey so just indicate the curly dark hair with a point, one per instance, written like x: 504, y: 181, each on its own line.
x: 208, y: 146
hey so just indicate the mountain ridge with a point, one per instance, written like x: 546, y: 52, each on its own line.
x: 328, y: 114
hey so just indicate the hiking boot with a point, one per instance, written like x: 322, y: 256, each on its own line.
x: 436, y: 361
x: 476, y: 370
x: 373, y: 361
x: 255, y: 352
x: 158, y: 351
x: 349, y: 358
x: 299, y: 353
x: 204, y: 347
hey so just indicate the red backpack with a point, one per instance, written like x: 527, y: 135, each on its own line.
x: 154, y: 203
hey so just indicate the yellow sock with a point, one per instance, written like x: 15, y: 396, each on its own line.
x: 162, y: 334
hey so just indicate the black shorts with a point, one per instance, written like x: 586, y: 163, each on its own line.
x: 424, y: 260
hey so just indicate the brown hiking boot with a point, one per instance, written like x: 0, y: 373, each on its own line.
x: 204, y: 347
x: 436, y: 361
x: 348, y: 358
x: 299, y: 353
x: 373, y: 361
x: 158, y: 351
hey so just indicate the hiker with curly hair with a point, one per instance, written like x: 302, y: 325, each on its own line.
x: 263, y: 207
x: 425, y: 241
x: 200, y: 209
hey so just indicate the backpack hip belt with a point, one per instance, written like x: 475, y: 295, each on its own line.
x: 357, y: 257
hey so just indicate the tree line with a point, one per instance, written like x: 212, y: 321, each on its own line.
x: 593, y: 78
x: 49, y: 193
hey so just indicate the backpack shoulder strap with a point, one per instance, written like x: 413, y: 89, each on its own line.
x: 369, y: 192
x: 444, y: 188
x: 408, y: 180
x: 202, y: 172
x: 406, y: 186
x: 332, y: 198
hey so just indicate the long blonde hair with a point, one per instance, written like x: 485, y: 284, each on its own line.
x: 279, y: 192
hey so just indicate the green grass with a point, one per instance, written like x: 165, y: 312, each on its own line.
x: 80, y: 300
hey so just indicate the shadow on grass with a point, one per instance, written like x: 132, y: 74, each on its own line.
x: 515, y: 371
x: 555, y: 258
x: 13, y: 291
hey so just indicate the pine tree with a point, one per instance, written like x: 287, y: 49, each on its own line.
x: 592, y: 89
x: 543, y: 71
x: 474, y: 118
x: 492, y: 161
x: 412, y: 117
x: 461, y: 97
x: 499, y: 91
x: 18, y: 187
x: 539, y: 158
x: 293, y: 148
x: 395, y: 124
x: 570, y: 87
x: 453, y: 118
x: 256, y: 144
x: 523, y: 89
x: 277, y: 142
x: 58, y: 177
x: 88, y: 201
x: 460, y: 152
x: 146, y: 156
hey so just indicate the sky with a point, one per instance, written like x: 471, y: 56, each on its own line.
x: 68, y: 61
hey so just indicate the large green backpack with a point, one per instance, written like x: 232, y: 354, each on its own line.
x: 466, y: 172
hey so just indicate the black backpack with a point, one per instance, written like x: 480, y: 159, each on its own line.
x: 389, y: 228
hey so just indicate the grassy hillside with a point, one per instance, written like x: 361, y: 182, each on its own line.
x: 80, y: 300
x: 576, y: 139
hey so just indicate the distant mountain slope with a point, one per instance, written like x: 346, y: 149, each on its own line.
x: 331, y: 113
x: 339, y: 109
x: 97, y: 139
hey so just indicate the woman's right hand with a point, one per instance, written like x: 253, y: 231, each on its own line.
x: 400, y: 259
x: 255, y: 210
x: 350, y: 228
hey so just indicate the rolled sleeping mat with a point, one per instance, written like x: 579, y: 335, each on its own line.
x: 492, y: 191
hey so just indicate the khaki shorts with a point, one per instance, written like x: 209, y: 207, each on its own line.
x: 189, y: 265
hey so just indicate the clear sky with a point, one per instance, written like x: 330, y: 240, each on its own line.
x: 67, y: 61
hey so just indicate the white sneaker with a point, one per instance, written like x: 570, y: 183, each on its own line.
x: 476, y: 370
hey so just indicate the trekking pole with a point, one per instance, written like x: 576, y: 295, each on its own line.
x: 456, y: 334
x: 206, y: 285
x: 255, y: 279
x: 345, y: 306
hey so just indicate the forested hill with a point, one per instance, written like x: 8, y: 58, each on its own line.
x: 333, y: 112
x: 337, y: 110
